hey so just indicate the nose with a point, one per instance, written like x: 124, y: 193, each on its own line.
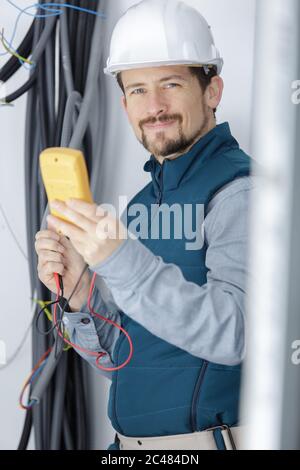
x: 156, y: 103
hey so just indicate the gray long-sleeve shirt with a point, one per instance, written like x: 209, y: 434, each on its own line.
x: 207, y: 321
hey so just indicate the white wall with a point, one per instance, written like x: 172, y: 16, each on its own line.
x: 15, y: 313
x: 233, y: 23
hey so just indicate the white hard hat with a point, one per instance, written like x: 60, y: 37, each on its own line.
x: 161, y: 32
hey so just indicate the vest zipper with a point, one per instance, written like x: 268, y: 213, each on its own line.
x: 160, y: 194
x: 196, y: 396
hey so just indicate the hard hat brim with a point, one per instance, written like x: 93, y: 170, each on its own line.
x: 113, y: 70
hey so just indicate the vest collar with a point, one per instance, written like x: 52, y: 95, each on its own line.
x: 175, y: 170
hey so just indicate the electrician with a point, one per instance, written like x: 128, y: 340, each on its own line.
x: 184, y: 309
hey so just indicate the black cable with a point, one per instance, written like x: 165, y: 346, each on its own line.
x: 67, y: 433
x: 61, y: 105
x: 40, y: 344
x: 88, y: 150
x: 26, y: 430
x: 49, y: 85
x: 70, y: 406
x: 43, y: 109
x: 24, y: 50
x: 83, y: 47
x: 80, y: 39
x: 88, y: 40
x: 73, y: 23
x: 78, y: 390
x: 85, y: 21
x: 23, y: 89
x: 58, y: 404
x: 41, y: 50
x: 79, y: 406
x: 44, y: 128
x: 37, y: 319
x: 41, y: 413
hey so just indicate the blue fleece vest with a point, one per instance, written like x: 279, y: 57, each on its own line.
x: 165, y: 390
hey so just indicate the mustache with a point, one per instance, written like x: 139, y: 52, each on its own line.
x: 162, y: 119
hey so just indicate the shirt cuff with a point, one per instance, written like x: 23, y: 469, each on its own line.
x: 82, y: 317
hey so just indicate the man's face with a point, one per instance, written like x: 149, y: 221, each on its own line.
x: 166, y: 108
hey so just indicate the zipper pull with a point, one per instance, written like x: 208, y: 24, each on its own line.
x: 159, y: 198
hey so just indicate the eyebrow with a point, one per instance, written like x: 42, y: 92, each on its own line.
x: 171, y: 77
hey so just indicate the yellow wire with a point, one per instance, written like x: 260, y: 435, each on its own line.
x: 14, y: 53
x: 43, y: 304
x: 3, y: 103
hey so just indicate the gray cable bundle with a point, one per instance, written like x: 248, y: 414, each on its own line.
x: 58, y: 114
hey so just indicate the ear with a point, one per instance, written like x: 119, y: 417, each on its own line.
x: 214, y: 92
x: 124, y: 103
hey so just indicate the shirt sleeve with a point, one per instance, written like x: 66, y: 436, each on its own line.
x: 92, y: 333
x: 206, y: 321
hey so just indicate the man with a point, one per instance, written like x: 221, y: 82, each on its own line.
x: 182, y: 304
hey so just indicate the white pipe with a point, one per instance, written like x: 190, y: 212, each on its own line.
x: 274, y: 129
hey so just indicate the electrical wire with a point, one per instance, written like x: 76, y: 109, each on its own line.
x: 56, y: 323
x: 23, y: 89
x: 37, y: 318
x: 40, y: 344
x: 49, y: 316
x: 52, y: 12
x: 98, y: 356
x: 12, y: 51
x: 41, y: 44
x: 41, y: 363
x: 24, y: 50
x: 48, y: 7
x: 26, y: 431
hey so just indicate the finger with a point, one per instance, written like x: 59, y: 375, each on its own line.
x: 47, y: 234
x: 101, y: 212
x: 48, y: 244
x: 75, y: 217
x: 52, y: 228
x: 69, y: 249
x: 68, y: 230
x: 65, y: 242
x: 51, y: 268
x: 84, y: 208
x: 47, y: 256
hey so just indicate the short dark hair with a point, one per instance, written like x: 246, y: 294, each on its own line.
x: 204, y: 76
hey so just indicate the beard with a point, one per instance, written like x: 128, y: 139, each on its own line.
x: 162, y: 146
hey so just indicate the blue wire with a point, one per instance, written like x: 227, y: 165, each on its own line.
x: 67, y: 5
x: 31, y: 403
x: 46, y: 7
x: 49, y: 7
x: 38, y: 370
x: 34, y: 5
x: 58, y: 12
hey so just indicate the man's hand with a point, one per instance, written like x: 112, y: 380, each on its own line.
x: 95, y: 235
x: 56, y: 254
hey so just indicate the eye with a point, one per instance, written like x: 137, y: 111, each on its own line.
x: 172, y: 85
x: 134, y: 92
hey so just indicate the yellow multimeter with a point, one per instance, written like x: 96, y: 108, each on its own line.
x: 65, y: 176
